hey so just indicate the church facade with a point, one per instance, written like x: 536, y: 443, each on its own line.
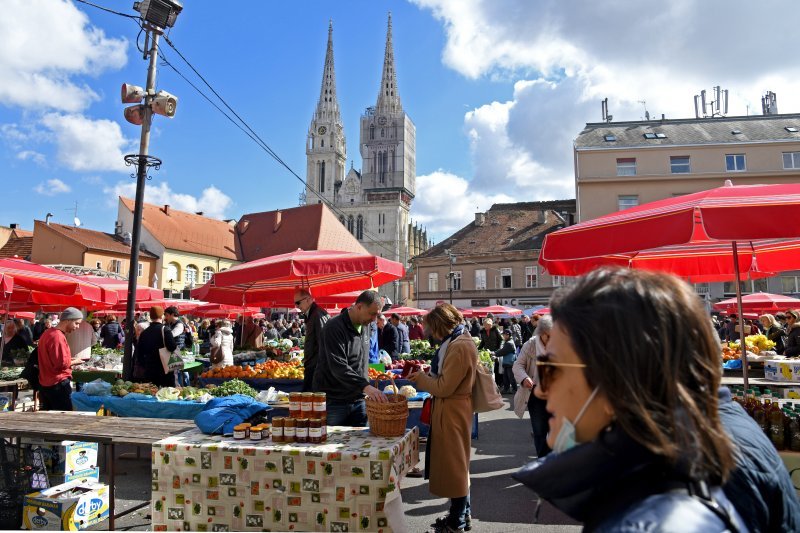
x: 374, y: 203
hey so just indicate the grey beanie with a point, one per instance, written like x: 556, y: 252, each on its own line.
x: 70, y: 313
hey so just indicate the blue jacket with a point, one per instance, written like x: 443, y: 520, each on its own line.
x: 615, y: 484
x: 508, y: 352
x: 759, y: 486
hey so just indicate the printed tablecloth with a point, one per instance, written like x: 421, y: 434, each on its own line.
x: 350, y: 483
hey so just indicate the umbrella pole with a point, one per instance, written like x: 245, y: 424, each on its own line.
x: 741, y: 315
x: 3, y: 336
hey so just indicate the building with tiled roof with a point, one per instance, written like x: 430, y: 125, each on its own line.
x: 15, y: 242
x: 623, y: 164
x: 309, y: 227
x: 59, y: 244
x: 493, y: 259
x: 191, y: 247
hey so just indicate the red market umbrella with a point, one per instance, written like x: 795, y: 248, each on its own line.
x: 754, y: 228
x: 497, y: 310
x: 184, y: 306
x: 143, y: 292
x: 20, y: 314
x: 273, y: 279
x: 541, y: 311
x: 212, y: 310
x: 467, y: 313
x: 405, y: 311
x: 759, y: 302
x: 751, y: 316
x: 35, y: 286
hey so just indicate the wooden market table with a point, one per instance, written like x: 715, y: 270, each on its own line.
x: 111, y: 376
x: 108, y: 431
x: 349, y: 483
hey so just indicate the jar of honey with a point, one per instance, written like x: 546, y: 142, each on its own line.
x: 256, y: 432
x: 301, y: 434
x: 307, y: 404
x: 289, y: 429
x: 295, y: 404
x: 240, y: 432
x: 315, y: 431
x: 277, y: 429
x: 320, y: 406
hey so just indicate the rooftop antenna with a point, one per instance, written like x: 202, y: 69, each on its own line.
x: 769, y: 103
x: 718, y: 107
x: 607, y: 117
x: 75, y: 220
x: 646, y: 112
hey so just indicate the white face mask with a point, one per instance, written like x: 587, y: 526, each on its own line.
x: 566, y: 435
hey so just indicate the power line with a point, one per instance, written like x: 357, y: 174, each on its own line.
x: 108, y: 10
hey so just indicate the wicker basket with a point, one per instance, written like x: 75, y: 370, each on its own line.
x: 388, y: 419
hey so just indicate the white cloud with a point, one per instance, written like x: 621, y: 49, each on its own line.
x: 32, y: 155
x: 52, y: 187
x: 212, y: 202
x: 85, y: 144
x: 93, y: 180
x: 44, y: 45
x: 443, y: 188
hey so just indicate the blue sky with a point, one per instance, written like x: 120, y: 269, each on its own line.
x: 497, y: 89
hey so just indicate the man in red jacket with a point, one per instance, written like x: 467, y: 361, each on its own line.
x: 55, y: 363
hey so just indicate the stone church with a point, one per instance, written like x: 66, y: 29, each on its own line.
x: 374, y: 203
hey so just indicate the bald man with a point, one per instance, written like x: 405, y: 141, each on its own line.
x: 316, y: 317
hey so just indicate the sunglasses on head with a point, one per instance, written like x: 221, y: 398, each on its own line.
x: 297, y: 302
x: 547, y: 368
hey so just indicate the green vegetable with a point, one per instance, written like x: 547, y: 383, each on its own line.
x: 233, y: 386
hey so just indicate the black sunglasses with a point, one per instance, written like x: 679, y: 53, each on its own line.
x: 297, y: 302
x: 547, y: 368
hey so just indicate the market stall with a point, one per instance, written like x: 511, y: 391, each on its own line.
x: 138, y: 405
x: 349, y: 483
x: 111, y: 376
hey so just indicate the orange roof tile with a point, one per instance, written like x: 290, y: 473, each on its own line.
x: 18, y: 246
x: 22, y: 232
x: 309, y: 227
x: 93, y: 240
x: 188, y: 232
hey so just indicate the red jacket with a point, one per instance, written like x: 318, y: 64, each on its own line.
x: 54, y: 358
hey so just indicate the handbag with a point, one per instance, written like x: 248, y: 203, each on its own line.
x: 169, y: 360
x: 485, y: 396
x: 425, y: 414
x: 216, y: 356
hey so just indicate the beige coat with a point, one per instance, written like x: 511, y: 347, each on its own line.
x: 525, y: 367
x: 451, y: 418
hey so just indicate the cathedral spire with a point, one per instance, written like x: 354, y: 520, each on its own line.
x: 328, y: 104
x: 388, y: 97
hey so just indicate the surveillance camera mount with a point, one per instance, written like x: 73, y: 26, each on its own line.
x: 149, y: 162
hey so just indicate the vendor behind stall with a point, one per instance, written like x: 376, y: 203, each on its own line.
x: 12, y: 341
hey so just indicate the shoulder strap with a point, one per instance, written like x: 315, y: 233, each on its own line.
x: 700, y: 492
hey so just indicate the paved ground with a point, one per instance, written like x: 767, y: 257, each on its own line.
x: 499, y: 504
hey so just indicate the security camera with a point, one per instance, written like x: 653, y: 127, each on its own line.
x: 135, y: 114
x: 164, y: 104
x: 131, y: 94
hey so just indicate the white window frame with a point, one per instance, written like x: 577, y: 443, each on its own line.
x: 480, y: 279
x: 208, y: 272
x: 191, y: 275
x: 531, y: 277
x: 456, y: 280
x: 177, y: 275
x: 733, y: 158
x: 794, y: 159
x: 433, y: 282
x: 99, y: 265
x: 558, y: 281
x: 795, y: 282
x: 626, y: 166
x: 676, y: 164
x: 139, y: 270
x: 701, y: 288
x: 506, y: 272
x: 116, y: 266
x: 625, y: 201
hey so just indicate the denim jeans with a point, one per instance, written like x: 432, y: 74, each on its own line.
x: 539, y: 424
x: 347, y: 413
x: 56, y: 398
x: 459, y: 509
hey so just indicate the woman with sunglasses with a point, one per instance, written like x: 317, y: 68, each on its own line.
x: 630, y: 376
x: 450, y: 382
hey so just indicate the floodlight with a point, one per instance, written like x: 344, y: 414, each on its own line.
x: 131, y: 94
x: 135, y: 114
x: 160, y: 13
x: 164, y: 104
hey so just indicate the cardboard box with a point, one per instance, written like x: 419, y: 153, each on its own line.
x: 788, y: 393
x: 782, y: 370
x: 92, y: 474
x: 70, y: 506
x: 68, y: 458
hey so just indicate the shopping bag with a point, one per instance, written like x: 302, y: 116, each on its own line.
x: 169, y: 360
x: 485, y: 396
x: 216, y: 355
x: 425, y: 414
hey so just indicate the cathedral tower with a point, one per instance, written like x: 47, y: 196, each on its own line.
x: 326, y: 149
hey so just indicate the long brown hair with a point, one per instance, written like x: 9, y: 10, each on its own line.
x: 647, y: 342
x: 442, y: 320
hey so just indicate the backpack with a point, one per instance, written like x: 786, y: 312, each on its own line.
x: 30, y: 371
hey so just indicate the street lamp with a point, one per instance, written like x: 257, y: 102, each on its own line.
x: 156, y: 16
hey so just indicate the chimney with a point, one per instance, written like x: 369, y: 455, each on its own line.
x: 47, y: 218
x: 541, y: 216
x: 278, y: 220
x: 166, y: 209
x: 198, y: 213
x: 13, y: 226
x: 118, y: 228
x: 480, y: 219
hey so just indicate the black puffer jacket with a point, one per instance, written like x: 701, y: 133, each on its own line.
x: 343, y: 361
x: 615, y: 484
x: 759, y: 486
x: 793, y: 342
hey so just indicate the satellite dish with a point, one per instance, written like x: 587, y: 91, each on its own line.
x: 77, y: 222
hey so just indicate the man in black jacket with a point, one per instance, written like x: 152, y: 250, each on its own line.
x: 343, y: 363
x: 316, y: 317
x: 389, y: 339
